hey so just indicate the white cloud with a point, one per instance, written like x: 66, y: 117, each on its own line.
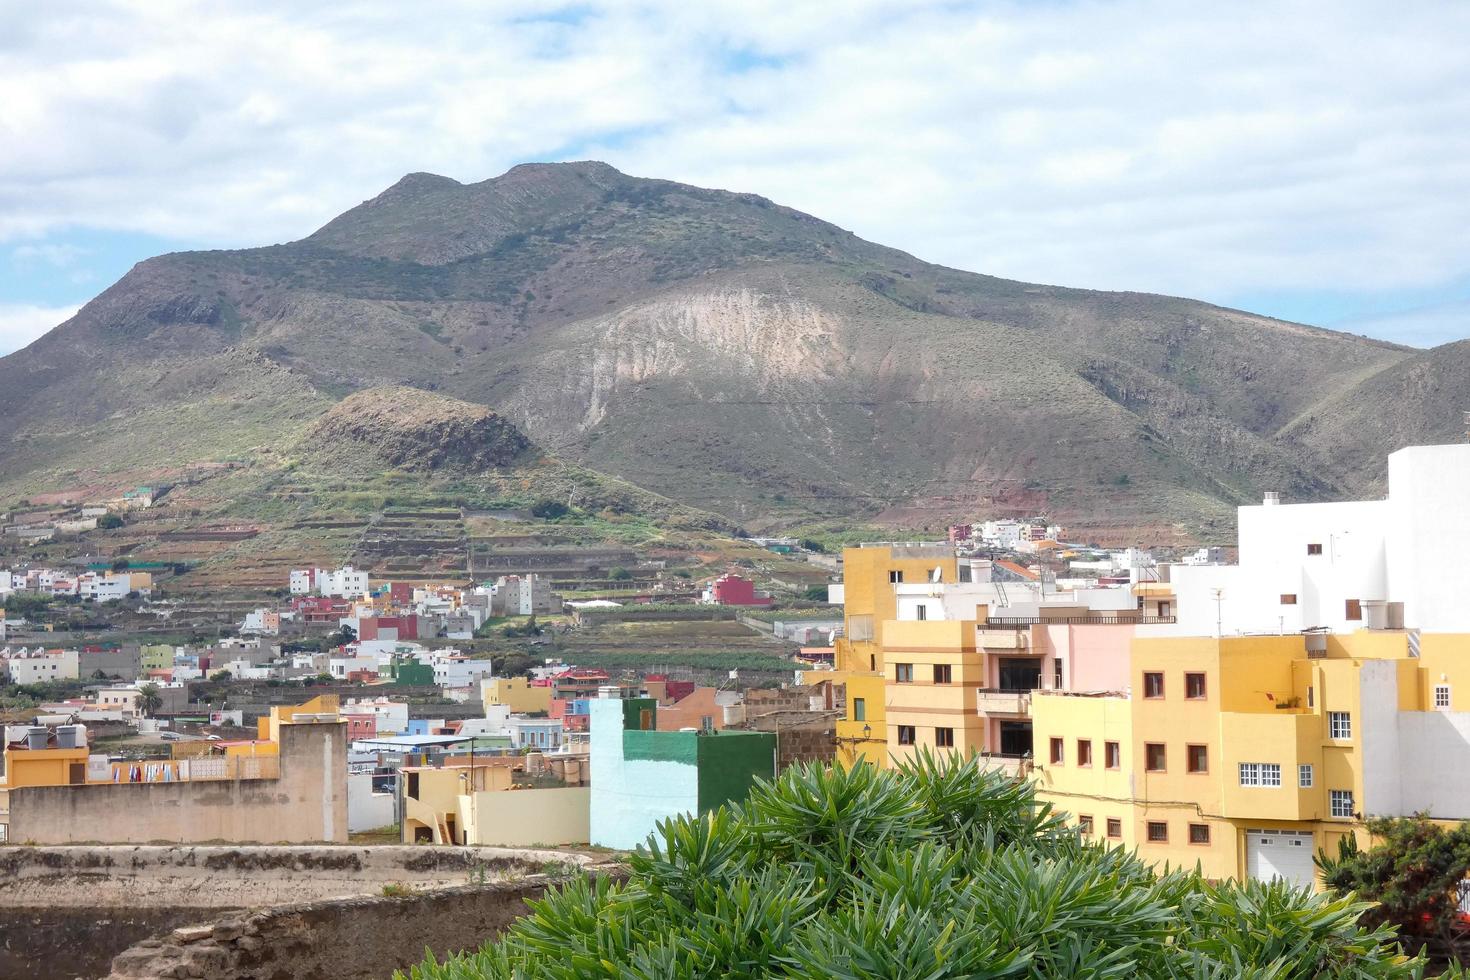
x: 22, y: 323
x: 1209, y: 150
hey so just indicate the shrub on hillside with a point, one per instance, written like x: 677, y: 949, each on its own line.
x: 938, y: 870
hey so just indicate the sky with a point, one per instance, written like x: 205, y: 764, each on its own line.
x: 1307, y: 160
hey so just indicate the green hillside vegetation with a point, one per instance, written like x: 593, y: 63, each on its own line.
x: 937, y: 870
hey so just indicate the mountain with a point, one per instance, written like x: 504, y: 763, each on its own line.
x: 719, y: 349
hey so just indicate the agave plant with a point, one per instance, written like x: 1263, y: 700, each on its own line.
x: 939, y: 869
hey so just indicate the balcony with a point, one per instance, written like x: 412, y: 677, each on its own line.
x: 1121, y: 618
x: 1012, y: 765
x: 997, y: 702
x: 1002, y: 639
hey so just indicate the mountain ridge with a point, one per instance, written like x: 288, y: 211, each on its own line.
x: 731, y: 353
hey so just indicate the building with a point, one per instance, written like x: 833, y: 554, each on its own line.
x: 520, y: 694
x: 641, y: 775
x: 732, y: 590
x: 344, y: 583
x: 1395, y: 562
x: 480, y: 804
x: 540, y: 734
x: 523, y: 595
x: 1249, y: 754
x: 56, y: 792
x: 40, y: 666
x: 262, y: 622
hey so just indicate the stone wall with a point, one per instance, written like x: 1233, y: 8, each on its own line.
x: 346, y: 939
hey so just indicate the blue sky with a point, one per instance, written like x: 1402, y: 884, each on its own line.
x: 1308, y: 160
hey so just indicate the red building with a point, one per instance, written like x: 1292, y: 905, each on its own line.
x: 388, y: 628
x: 579, y: 682
x: 361, y: 726
x: 732, y: 590
x: 321, y: 609
x: 401, y: 594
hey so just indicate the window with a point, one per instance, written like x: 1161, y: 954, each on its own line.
x: 1197, y: 758
x: 859, y: 709
x: 1153, y: 684
x: 1339, y: 725
x: 1442, y: 697
x: 905, y: 734
x: 1056, y: 675
x: 895, y: 576
x: 1158, y: 832
x: 1112, y: 755
x: 1304, y: 775
x: 1354, y: 611
x: 1199, y: 833
x: 922, y: 613
x: 1341, y: 801
x: 944, y: 738
x: 1056, y: 751
x: 941, y: 673
x: 903, y: 673
x: 1154, y: 756
x: 1263, y: 774
x: 1084, y: 824
x: 1115, y: 828
x: 1311, y: 697
x: 1194, y: 687
x: 1084, y: 752
x: 1314, y: 549
x: 1288, y: 598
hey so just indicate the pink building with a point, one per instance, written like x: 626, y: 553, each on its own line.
x: 732, y: 590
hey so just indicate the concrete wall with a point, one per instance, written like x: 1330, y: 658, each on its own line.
x: 629, y: 796
x: 367, y: 810
x: 308, y: 803
x: 533, y: 817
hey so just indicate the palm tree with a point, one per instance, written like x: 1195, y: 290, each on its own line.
x: 149, y: 700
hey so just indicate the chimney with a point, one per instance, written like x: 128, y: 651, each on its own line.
x: 1273, y: 497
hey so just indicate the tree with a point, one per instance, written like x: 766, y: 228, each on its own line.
x: 342, y: 636
x: 619, y: 574
x: 121, y: 565
x: 1413, y: 873
x: 108, y: 522
x: 817, y: 593
x: 938, y: 869
x: 812, y: 544
x: 149, y: 699
x: 221, y: 676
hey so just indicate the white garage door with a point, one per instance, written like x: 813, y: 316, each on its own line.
x: 1280, y: 854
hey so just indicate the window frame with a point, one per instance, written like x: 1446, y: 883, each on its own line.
x: 1149, y: 827
x: 1340, y: 726
x: 907, y: 735
x: 1199, y: 826
x: 859, y: 709
x: 1314, y: 548
x: 1114, y: 828
x: 1288, y: 598
x: 903, y: 673
x: 1204, y: 686
x: 943, y: 738
x: 1438, y: 690
x: 1337, y: 796
x: 1260, y: 774
x: 1084, y: 823
x: 1148, y: 761
x: 895, y: 576
x: 1057, y: 751
x: 1149, y: 675
x: 1083, y: 748
x: 1353, y: 610
x: 1189, y: 766
x: 1112, y: 755
x: 943, y: 674
x: 1306, y: 775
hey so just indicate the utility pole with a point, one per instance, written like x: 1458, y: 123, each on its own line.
x: 1219, y: 615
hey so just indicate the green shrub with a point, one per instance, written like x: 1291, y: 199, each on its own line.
x: 939, y: 869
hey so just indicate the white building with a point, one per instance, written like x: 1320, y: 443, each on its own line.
x: 39, y: 666
x: 523, y: 595
x: 1396, y: 562
x: 265, y: 622
x: 460, y: 671
x: 541, y: 734
x: 345, y: 582
x: 390, y: 717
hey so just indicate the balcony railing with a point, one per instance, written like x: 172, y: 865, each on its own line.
x: 997, y: 701
x: 1097, y: 619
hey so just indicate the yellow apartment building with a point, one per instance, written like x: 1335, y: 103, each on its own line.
x: 1245, y: 755
x: 516, y: 693
x: 869, y: 574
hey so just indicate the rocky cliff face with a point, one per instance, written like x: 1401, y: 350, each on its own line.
x: 416, y: 430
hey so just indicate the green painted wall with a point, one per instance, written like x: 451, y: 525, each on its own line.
x: 413, y: 672
x: 729, y: 762
x: 682, y: 747
x: 633, y: 709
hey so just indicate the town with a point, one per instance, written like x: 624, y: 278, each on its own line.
x: 1240, y: 715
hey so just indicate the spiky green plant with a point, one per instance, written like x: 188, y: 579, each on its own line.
x: 936, y: 870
